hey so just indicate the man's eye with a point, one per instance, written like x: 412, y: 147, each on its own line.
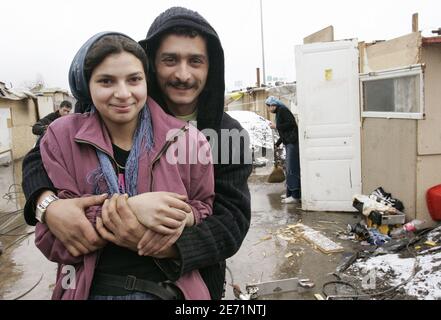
x: 169, y: 60
x: 196, y: 61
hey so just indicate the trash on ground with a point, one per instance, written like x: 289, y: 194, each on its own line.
x: 376, y: 238
x: 322, y: 242
x: 403, y: 273
x: 264, y: 238
x: 318, y: 296
x: 383, y: 219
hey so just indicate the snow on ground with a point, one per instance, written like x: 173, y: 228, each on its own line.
x: 427, y: 282
x: 391, y: 270
x: 389, y: 266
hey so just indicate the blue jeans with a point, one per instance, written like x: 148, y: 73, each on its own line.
x: 131, y: 296
x: 292, y: 168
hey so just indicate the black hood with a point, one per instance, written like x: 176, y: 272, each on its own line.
x: 211, y: 100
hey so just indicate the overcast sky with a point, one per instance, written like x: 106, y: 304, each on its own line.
x: 39, y: 38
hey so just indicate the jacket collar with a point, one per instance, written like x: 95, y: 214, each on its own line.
x: 94, y: 131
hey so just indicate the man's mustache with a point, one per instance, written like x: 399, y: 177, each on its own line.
x: 182, y: 85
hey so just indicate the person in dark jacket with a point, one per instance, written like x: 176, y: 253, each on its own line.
x: 39, y: 128
x: 192, y: 95
x: 288, y: 135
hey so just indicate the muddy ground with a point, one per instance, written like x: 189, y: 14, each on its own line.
x: 264, y: 256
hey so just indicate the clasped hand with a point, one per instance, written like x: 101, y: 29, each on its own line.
x: 149, y: 223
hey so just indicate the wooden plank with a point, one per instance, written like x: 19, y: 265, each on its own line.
x: 391, y: 136
x: 415, y: 22
x: 429, y: 130
x: 324, y: 35
x: 361, y: 60
x: 322, y: 242
x: 22, y: 141
x: 395, y: 53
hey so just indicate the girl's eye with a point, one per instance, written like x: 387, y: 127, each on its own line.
x: 105, y: 81
x: 136, y: 79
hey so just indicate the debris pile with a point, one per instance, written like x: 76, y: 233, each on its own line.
x: 404, y: 268
x: 383, y: 219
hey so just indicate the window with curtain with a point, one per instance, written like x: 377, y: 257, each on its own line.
x: 393, y: 93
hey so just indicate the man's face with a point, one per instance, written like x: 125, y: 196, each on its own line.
x: 272, y: 109
x: 64, y: 110
x: 181, y: 64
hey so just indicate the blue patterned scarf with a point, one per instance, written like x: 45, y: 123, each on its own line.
x: 143, y: 141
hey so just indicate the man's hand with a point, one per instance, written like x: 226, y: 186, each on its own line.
x: 118, y: 223
x: 162, y: 212
x: 156, y: 244
x: 170, y: 253
x: 272, y: 125
x: 152, y: 243
x: 67, y: 221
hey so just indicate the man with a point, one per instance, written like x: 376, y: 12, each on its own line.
x: 287, y: 127
x: 39, y: 128
x: 187, y: 79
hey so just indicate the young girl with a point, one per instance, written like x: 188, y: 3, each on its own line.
x: 120, y: 147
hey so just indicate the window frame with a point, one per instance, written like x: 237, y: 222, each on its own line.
x: 411, y: 70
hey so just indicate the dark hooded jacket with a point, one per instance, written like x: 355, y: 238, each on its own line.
x: 39, y: 128
x: 286, y: 126
x: 207, y: 245
x: 285, y: 122
x: 227, y: 227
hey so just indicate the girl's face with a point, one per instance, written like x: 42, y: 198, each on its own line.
x: 119, y: 89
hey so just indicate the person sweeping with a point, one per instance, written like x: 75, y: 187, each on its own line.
x: 288, y: 132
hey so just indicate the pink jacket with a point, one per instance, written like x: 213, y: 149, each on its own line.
x: 69, y: 156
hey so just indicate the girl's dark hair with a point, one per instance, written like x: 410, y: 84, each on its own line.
x: 113, y: 44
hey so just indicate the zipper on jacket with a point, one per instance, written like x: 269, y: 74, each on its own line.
x: 163, y: 150
x: 155, y: 160
x: 96, y: 147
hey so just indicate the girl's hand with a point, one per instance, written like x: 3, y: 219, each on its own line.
x: 162, y: 212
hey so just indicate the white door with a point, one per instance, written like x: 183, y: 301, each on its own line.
x: 5, y: 130
x: 329, y: 124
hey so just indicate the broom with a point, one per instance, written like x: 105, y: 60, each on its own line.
x: 277, y: 175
